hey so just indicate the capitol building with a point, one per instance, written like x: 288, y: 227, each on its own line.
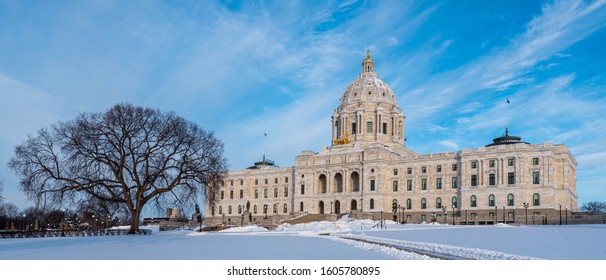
x: 369, y: 173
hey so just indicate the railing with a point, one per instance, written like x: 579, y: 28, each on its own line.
x: 67, y: 233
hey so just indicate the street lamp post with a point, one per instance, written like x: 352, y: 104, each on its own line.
x: 526, y: 205
x: 466, y: 221
x: 560, y: 214
x: 504, y: 221
x: 496, y: 213
x: 445, y: 214
x: 454, y: 211
x: 331, y: 207
x: 265, y: 209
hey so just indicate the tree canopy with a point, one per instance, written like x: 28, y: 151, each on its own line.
x: 127, y: 155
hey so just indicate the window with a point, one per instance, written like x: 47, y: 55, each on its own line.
x: 491, y: 200
x: 474, y: 216
x: 368, y: 127
x: 511, y: 179
x: 423, y: 169
x: 474, y: 164
x: 454, y: 167
x: 256, y: 193
x: 423, y: 184
x: 491, y: 215
x: 285, y: 179
x: 384, y: 128
x: 409, y: 185
x: 536, y: 201
x: 474, y: 180
x: 255, y: 209
x: 395, y: 172
x: 423, y: 203
x: 491, y: 163
x: 301, y: 206
x: 275, y: 192
x: 438, y: 203
x: 241, y: 182
x: 491, y: 179
x: 265, y: 193
x: 510, y: 200
x: 231, y: 194
x: 454, y: 182
x: 275, y: 180
x: 454, y: 202
x: 423, y: 218
x: 354, y: 128
x: 473, y: 201
x: 285, y: 208
x: 241, y: 194
x: 229, y: 210
x: 535, y: 178
x: 439, y: 183
x: 231, y: 183
x: 222, y: 195
x: 372, y: 184
x: 302, y: 191
x: 220, y: 210
x: 439, y: 168
x: 510, y: 162
x: 275, y: 208
x: 372, y: 203
x: 535, y: 161
x: 409, y: 170
x: 256, y: 181
x: 395, y: 186
x: 409, y: 203
x: 239, y: 209
x: 286, y: 192
x: 266, y: 181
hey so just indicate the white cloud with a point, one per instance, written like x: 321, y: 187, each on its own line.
x: 449, y: 144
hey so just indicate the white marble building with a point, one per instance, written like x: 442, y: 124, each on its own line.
x: 368, y: 171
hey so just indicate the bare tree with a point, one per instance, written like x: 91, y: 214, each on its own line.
x: 128, y: 155
x: 594, y: 206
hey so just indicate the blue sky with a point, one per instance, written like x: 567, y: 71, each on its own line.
x: 244, y: 68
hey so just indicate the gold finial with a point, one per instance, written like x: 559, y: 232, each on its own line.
x: 368, y: 53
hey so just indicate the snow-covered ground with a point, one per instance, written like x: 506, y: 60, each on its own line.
x: 345, y: 239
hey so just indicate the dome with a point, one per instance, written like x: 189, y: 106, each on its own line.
x: 368, y: 112
x: 368, y: 87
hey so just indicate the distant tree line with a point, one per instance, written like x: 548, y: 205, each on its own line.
x: 594, y: 207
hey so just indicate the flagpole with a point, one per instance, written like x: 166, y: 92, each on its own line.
x: 507, y: 118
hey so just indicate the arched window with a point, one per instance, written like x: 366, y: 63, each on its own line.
x: 285, y: 208
x: 372, y: 203
x: 454, y: 202
x: 355, y: 182
x: 229, y: 210
x: 491, y: 200
x: 438, y: 203
x: 338, y: 182
x: 536, y: 199
x: 473, y: 201
x: 220, y: 210
x: 239, y: 209
x: 255, y: 209
x: 275, y: 208
x: 322, y: 180
x: 510, y: 200
x: 423, y: 203
x: 409, y: 203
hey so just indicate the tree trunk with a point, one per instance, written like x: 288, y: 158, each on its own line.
x: 134, y: 223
